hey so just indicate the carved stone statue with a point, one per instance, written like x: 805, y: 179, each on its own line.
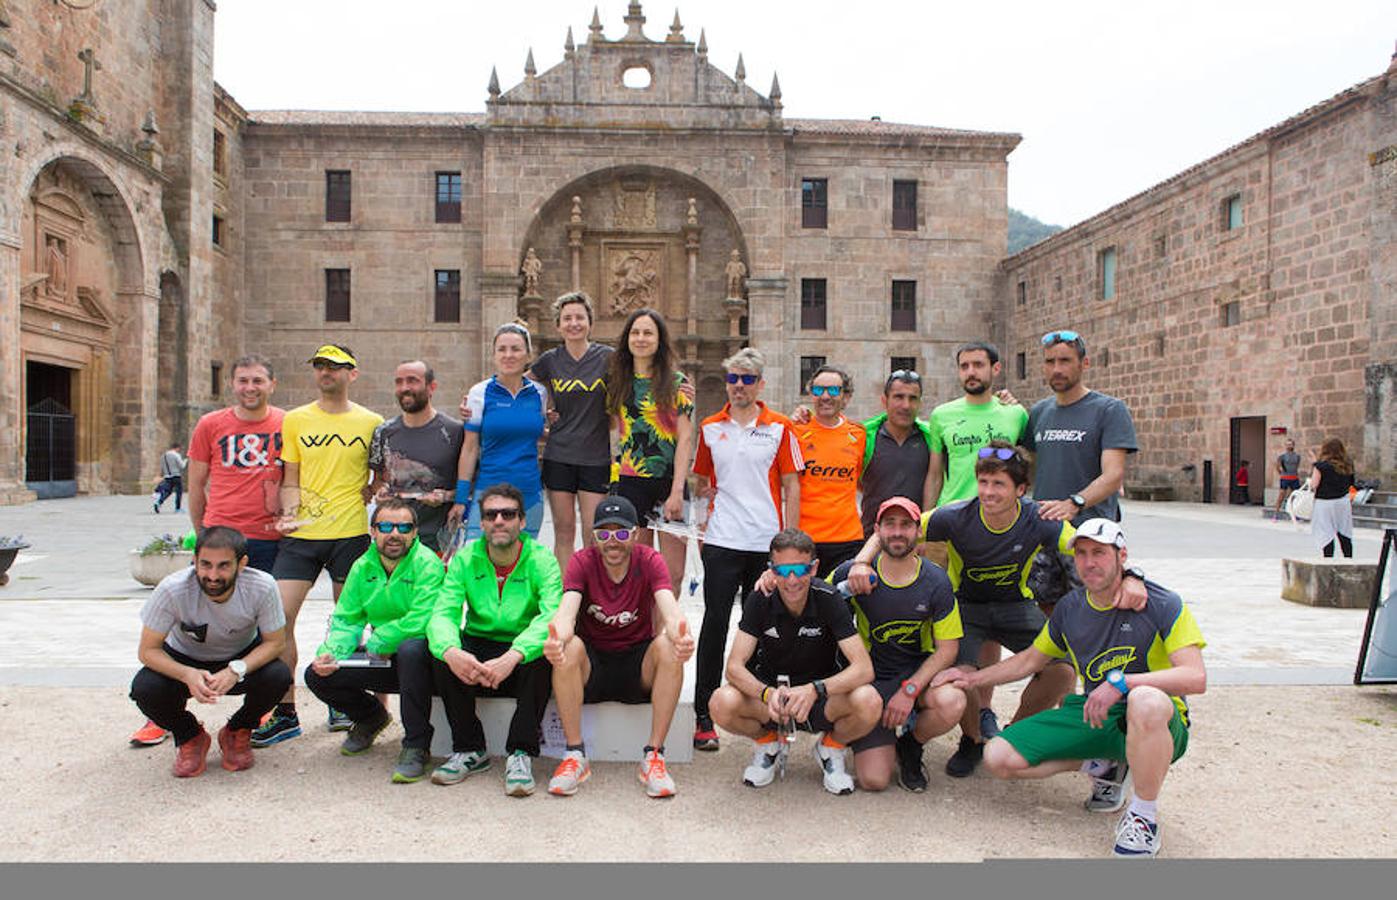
x: 693, y: 206
x: 576, y: 217
x: 531, y: 270
x: 736, y: 272
x: 56, y: 266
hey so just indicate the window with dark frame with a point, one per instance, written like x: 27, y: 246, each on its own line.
x: 220, y: 153
x: 904, y: 206
x: 808, y: 365
x: 1021, y: 366
x: 742, y: 326
x: 218, y: 229
x: 1106, y: 272
x: 1161, y: 246
x: 1231, y: 314
x: 337, y: 195
x: 448, y: 197
x: 904, y: 306
x: 447, y: 306
x: 814, y: 203
x: 1023, y: 292
x: 812, y: 304
x: 903, y: 364
x: 215, y: 379
x: 336, y: 295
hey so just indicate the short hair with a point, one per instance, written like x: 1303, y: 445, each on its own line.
x: 793, y: 539
x: 847, y: 380
x: 906, y: 376
x: 571, y: 297
x: 390, y: 504
x: 428, y: 376
x: 253, y: 359
x: 221, y: 537
x: 518, y: 328
x: 503, y: 489
x: 990, y: 350
x: 1078, y: 343
x: 749, y: 358
x: 1016, y: 466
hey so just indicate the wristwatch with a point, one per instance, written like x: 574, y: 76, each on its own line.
x: 1116, y: 679
x: 238, y: 668
x: 1079, y: 500
x: 820, y: 692
x: 909, y: 689
x: 1135, y: 572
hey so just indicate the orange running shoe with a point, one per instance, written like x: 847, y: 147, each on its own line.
x: 655, y: 776
x: 192, y: 756
x: 236, y: 747
x: 148, y: 735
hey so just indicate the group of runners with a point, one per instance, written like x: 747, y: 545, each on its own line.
x: 881, y: 567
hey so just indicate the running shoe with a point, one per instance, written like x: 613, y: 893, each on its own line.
x: 831, y: 760
x: 1108, y: 791
x: 519, y: 774
x: 571, y: 772
x: 459, y: 765
x: 278, y: 728
x: 236, y: 746
x: 911, y: 774
x: 705, y: 735
x: 655, y: 776
x: 989, y: 724
x: 967, y: 756
x: 338, y: 721
x: 191, y: 757
x: 411, y: 766
x: 362, y: 734
x: 148, y: 735
x: 1136, y: 837
x: 769, y: 756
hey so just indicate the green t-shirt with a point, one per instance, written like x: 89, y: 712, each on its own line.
x: 959, y: 429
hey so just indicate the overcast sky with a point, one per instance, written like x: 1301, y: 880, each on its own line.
x: 1110, y: 97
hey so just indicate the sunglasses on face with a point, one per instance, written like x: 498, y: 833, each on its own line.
x: 1060, y: 337
x: 746, y: 378
x: 799, y: 570
x: 321, y: 364
x: 820, y: 390
x: 490, y: 515
x: 1004, y: 453
x: 389, y: 527
x: 620, y: 534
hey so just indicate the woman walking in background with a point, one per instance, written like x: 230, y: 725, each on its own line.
x: 1330, y: 479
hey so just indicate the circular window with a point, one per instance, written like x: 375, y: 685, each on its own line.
x: 636, y: 78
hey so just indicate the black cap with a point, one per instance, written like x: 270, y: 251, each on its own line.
x: 615, y: 510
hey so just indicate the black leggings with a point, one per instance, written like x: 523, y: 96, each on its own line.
x: 727, y: 575
x: 163, y: 699
x: 1345, y: 544
x: 529, y: 684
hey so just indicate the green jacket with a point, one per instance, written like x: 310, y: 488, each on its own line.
x: 395, y: 606
x: 519, y: 618
x: 870, y: 430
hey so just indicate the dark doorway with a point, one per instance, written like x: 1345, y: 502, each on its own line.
x: 1249, y: 445
x: 50, y: 456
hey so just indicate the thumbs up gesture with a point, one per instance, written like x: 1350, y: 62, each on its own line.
x: 683, y: 642
x: 553, y: 646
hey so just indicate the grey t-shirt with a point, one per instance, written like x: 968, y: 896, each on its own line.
x: 1068, y: 441
x: 581, y: 436
x: 171, y: 464
x: 1289, y: 463
x: 894, y: 470
x: 201, y: 629
x: 418, y: 460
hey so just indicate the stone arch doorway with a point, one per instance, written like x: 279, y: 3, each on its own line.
x: 81, y: 297
x: 633, y: 236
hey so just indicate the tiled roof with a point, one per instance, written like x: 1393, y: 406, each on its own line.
x: 880, y: 128
x: 367, y: 119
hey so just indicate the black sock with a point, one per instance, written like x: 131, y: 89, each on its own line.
x: 580, y: 748
x: 660, y: 749
x: 286, y: 709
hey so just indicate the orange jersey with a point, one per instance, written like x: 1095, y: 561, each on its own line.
x: 829, y: 510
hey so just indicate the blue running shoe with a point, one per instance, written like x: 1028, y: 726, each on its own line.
x: 277, y: 729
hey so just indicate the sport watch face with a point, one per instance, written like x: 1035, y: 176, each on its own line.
x: 1079, y: 500
x: 238, y: 668
x: 909, y: 689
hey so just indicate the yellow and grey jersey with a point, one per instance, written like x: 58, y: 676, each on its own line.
x: 988, y: 566
x: 901, y: 623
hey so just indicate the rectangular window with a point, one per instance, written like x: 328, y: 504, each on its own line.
x: 1057, y: 283
x: 220, y: 153
x: 448, y: 296
x: 1161, y: 246
x: 808, y: 365
x: 215, y: 379
x: 218, y: 229
x: 1021, y: 366
x: 814, y: 203
x: 336, y: 195
x: 1106, y: 273
x: 904, y: 317
x: 904, y: 206
x: 336, y: 295
x: 1231, y: 314
x: 812, y: 304
x: 1232, y: 213
x: 1023, y: 293
x: 448, y: 196
x: 903, y: 364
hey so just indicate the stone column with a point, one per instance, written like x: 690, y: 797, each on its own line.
x: 766, y: 302
x: 575, y: 229
x: 135, y: 420
x: 690, y: 339
x: 499, y: 303
x: 12, y: 489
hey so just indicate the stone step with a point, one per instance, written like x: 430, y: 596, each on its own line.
x: 1334, y: 582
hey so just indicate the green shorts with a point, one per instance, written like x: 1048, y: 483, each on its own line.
x: 1063, y: 734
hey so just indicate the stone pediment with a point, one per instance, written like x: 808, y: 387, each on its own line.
x: 588, y: 89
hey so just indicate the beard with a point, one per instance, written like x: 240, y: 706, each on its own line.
x: 393, y: 549
x: 412, y: 401
x: 897, y: 548
x: 974, y: 386
x: 214, y: 587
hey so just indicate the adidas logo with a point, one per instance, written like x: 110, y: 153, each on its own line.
x: 772, y: 632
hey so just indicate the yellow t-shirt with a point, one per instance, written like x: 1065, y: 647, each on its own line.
x: 333, y: 453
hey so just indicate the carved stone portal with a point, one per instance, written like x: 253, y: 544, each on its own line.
x: 635, y: 276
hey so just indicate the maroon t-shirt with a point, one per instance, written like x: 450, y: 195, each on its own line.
x: 613, y: 616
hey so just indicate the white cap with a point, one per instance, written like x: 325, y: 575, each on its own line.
x: 1103, y: 531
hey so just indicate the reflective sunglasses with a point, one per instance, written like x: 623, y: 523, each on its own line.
x: 1004, y: 453
x: 734, y: 378
x: 906, y: 376
x: 327, y: 364
x: 1060, y: 337
x: 509, y: 515
x: 400, y: 527
x: 820, y: 390
x: 799, y: 570
x: 620, y: 534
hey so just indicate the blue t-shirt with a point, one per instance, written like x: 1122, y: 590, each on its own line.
x: 509, y: 426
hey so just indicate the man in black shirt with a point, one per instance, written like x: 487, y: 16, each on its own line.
x: 799, y: 632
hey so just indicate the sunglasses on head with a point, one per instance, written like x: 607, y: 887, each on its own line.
x: 1060, y: 337
x: 904, y: 375
x: 820, y: 390
x: 799, y: 570
x: 1004, y: 453
x: 389, y: 527
x: 745, y: 378
x: 619, y: 534
x: 490, y: 515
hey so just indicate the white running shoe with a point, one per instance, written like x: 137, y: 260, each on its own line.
x: 831, y: 760
x: 571, y: 772
x: 1136, y: 837
x: 655, y: 775
x: 765, y: 761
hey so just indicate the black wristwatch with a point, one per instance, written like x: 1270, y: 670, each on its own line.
x: 820, y: 692
x: 1079, y: 500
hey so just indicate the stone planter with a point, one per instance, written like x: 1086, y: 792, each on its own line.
x: 149, y: 570
x: 7, y: 558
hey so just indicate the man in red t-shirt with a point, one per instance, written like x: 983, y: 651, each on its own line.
x: 617, y: 635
